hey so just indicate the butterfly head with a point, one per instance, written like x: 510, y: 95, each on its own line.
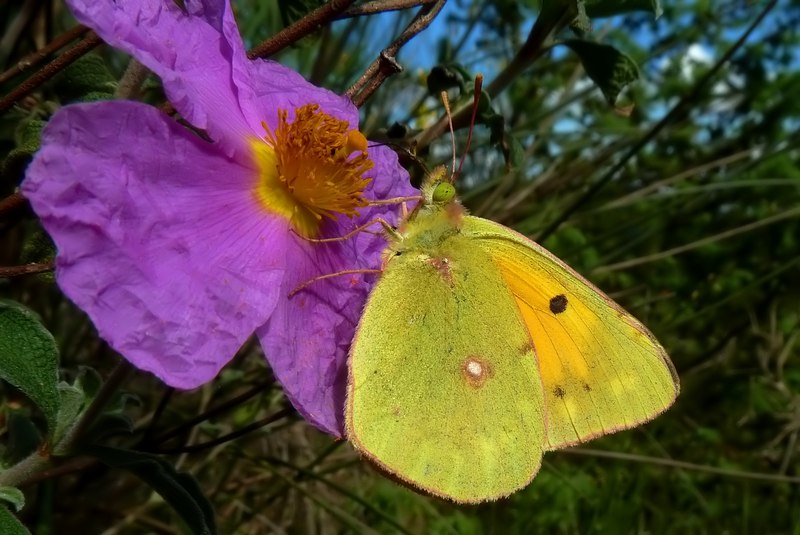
x: 438, y: 190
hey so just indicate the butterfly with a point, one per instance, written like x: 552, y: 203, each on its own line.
x: 478, y: 350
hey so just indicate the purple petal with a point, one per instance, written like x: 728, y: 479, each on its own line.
x: 160, y: 239
x: 268, y: 86
x: 194, y: 52
x: 308, y: 335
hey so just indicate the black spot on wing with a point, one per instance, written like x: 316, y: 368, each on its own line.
x: 558, y: 304
x: 559, y: 392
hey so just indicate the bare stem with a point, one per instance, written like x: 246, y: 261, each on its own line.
x: 381, y: 6
x: 21, y: 472
x: 386, y: 64
x: 35, y: 58
x: 308, y: 24
x: 50, y: 70
x: 9, y: 272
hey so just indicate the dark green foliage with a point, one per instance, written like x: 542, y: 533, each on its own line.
x: 178, y: 489
x: 609, y: 68
x: 29, y: 358
x: 9, y: 525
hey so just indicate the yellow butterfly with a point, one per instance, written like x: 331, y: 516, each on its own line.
x: 478, y: 350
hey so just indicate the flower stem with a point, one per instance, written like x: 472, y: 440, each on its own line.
x: 24, y: 470
x: 27, y: 469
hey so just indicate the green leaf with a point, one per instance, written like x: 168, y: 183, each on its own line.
x: 442, y: 77
x: 10, y: 525
x: 87, y: 76
x: 73, y: 401
x: 13, y: 496
x: 609, y: 68
x: 608, y: 8
x: 29, y: 358
x: 178, y: 489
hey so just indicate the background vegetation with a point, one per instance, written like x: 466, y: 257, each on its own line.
x: 680, y: 198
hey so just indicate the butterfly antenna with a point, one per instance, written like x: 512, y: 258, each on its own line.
x: 476, y: 100
x: 446, y: 103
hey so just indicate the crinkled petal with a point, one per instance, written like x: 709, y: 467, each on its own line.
x: 201, y: 60
x: 266, y: 86
x: 160, y: 238
x: 308, y: 336
x: 195, y: 52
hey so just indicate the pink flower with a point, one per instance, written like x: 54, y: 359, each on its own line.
x: 179, y: 249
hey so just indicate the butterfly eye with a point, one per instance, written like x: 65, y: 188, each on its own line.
x: 443, y: 193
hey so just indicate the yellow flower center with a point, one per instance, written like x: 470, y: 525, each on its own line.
x: 311, y: 169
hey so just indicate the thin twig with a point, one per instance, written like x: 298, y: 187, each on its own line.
x: 230, y: 436
x: 699, y: 243
x: 671, y: 463
x: 35, y: 58
x: 27, y: 269
x: 386, y: 64
x: 210, y: 413
x: 381, y: 6
x: 308, y: 24
x: 50, y: 70
x: 702, y: 168
x: 78, y: 464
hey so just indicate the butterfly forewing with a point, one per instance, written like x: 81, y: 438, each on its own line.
x: 602, y: 370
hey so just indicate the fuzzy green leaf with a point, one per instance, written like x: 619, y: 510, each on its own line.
x: 13, y: 496
x: 73, y: 402
x: 10, y: 525
x: 29, y: 358
x: 89, y: 75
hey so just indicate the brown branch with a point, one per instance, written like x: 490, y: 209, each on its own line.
x: 308, y: 24
x: 78, y: 464
x: 27, y: 269
x: 386, y: 64
x: 381, y: 6
x: 35, y: 58
x: 50, y: 70
x: 377, y: 73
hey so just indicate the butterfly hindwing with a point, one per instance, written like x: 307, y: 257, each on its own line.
x: 602, y: 370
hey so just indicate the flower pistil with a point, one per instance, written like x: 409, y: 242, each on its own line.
x: 311, y: 169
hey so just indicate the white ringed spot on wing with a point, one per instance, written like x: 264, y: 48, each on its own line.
x: 476, y: 371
